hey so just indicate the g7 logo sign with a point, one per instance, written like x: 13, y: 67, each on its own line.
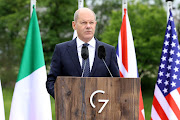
x: 100, y: 100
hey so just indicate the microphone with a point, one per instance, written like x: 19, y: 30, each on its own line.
x: 101, y: 52
x: 85, y: 55
x: 84, y: 52
x: 102, y: 55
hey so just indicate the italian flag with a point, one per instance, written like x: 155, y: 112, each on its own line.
x: 30, y: 98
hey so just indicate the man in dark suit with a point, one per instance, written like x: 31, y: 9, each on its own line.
x: 67, y: 59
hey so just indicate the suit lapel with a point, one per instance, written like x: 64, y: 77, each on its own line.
x: 72, y: 49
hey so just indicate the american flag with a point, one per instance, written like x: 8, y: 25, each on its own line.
x: 126, y: 57
x: 166, y: 101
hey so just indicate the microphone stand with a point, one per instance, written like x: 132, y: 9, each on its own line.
x: 107, y: 67
x: 84, y: 67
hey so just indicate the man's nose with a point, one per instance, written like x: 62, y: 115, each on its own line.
x: 88, y: 25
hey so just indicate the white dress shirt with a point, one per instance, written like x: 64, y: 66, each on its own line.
x: 91, y: 48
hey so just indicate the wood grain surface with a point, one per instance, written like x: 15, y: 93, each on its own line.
x: 72, y: 98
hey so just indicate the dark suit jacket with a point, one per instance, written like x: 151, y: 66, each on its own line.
x: 65, y: 62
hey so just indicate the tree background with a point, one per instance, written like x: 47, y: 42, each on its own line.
x: 148, y: 23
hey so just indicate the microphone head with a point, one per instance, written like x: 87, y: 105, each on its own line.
x: 84, y: 52
x: 101, y: 52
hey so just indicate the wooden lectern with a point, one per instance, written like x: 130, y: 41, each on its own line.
x: 72, y: 98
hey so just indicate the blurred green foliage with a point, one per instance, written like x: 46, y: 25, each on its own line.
x: 55, y: 17
x: 148, y: 24
x: 56, y: 24
x: 13, y: 27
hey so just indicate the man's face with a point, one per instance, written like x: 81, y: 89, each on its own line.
x: 85, y: 25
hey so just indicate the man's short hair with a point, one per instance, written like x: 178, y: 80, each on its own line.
x: 76, y: 14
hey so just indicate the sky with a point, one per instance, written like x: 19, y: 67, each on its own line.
x: 175, y: 12
x: 175, y: 3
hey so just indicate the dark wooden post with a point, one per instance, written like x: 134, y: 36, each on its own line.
x: 72, y: 98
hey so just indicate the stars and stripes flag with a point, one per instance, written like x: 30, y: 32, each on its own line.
x: 166, y: 101
x: 126, y: 57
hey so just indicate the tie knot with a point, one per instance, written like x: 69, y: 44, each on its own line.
x: 85, y: 44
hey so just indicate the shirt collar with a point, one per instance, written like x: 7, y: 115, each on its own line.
x: 92, y: 42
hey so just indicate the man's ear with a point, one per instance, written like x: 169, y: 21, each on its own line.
x: 74, y: 25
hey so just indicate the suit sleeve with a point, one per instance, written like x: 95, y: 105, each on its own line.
x: 113, y: 64
x: 54, y: 71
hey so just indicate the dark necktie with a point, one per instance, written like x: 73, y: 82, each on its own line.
x: 85, y: 63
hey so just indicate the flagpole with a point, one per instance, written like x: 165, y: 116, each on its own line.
x: 80, y: 4
x: 124, y: 6
x: 33, y: 2
x: 2, y: 113
x: 169, y: 6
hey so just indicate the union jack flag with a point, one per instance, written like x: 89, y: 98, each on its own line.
x: 126, y: 57
x: 166, y: 101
